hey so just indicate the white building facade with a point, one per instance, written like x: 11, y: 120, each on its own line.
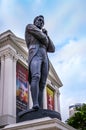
x: 15, y: 93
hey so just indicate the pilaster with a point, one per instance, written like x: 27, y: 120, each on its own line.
x: 58, y: 101
x: 55, y: 101
x: 15, y: 58
x: 45, y: 98
x: 8, y: 86
x: 2, y: 84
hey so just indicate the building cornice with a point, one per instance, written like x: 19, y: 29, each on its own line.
x: 8, y: 38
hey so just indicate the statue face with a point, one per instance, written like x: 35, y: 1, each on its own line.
x: 39, y: 22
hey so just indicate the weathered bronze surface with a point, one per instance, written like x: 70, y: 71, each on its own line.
x: 38, y: 43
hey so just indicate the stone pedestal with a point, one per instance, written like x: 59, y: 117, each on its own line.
x: 40, y: 124
x: 36, y: 114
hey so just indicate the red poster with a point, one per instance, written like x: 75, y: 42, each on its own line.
x: 50, y: 99
x: 21, y: 88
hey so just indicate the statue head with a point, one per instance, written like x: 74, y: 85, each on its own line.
x: 39, y: 21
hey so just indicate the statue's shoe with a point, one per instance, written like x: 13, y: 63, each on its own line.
x: 36, y: 107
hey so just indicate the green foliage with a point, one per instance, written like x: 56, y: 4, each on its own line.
x: 78, y: 120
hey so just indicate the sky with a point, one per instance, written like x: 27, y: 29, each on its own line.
x: 65, y: 21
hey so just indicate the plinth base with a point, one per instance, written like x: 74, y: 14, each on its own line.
x: 36, y: 114
x: 40, y: 124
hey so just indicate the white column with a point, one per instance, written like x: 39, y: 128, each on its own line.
x: 14, y: 85
x: 30, y: 98
x: 2, y: 85
x: 55, y: 101
x: 8, y: 86
x: 58, y: 101
x: 45, y: 98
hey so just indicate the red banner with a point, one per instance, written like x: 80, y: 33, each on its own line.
x: 50, y: 99
x: 21, y: 87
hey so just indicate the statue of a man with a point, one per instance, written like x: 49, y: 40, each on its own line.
x: 38, y: 43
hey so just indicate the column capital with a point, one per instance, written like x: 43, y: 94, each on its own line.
x: 8, y: 53
x: 15, y: 57
x: 58, y: 92
x: 2, y: 57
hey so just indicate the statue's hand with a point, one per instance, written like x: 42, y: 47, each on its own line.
x: 44, y: 31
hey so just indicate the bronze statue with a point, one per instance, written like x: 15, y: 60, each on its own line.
x: 38, y: 43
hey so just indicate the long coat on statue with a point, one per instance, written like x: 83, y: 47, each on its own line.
x: 35, y: 38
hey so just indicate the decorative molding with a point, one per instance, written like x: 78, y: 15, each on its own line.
x: 8, y: 38
x: 7, y: 52
x: 2, y: 57
x: 22, y: 58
